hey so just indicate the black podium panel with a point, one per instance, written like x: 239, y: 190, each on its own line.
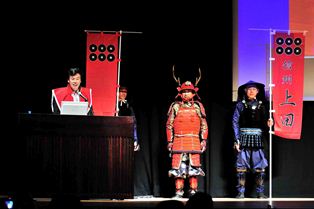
x: 88, y: 156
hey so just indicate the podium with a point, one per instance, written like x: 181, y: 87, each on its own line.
x: 87, y: 156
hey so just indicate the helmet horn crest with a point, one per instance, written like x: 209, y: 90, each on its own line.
x: 198, y: 78
x: 176, y: 79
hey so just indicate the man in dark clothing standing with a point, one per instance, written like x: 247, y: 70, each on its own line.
x: 125, y: 109
x: 250, y: 120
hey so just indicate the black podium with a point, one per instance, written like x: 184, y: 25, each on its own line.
x: 88, y: 156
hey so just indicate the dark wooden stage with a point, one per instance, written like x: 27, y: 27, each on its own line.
x: 152, y: 202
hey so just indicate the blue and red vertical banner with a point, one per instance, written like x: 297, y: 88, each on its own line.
x: 288, y: 78
x: 102, y: 71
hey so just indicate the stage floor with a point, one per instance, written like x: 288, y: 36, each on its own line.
x: 152, y: 202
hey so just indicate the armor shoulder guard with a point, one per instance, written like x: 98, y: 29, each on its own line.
x: 172, y: 106
x: 201, y: 108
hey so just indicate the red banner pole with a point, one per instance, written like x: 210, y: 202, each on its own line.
x: 271, y: 85
x: 118, y: 76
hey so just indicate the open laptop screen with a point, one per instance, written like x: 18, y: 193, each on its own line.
x: 74, y: 108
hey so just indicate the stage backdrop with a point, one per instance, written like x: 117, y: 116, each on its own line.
x: 102, y: 71
x: 288, y: 77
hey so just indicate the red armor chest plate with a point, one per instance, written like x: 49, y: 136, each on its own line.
x: 187, y: 124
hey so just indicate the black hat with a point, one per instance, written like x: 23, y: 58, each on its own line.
x: 250, y: 83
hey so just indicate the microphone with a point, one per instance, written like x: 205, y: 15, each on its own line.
x: 81, y: 95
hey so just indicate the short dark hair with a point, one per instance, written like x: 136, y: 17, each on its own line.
x: 123, y: 88
x: 74, y: 70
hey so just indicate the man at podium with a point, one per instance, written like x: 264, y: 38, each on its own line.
x: 72, y: 92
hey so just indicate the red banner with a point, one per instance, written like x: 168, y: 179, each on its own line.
x: 102, y: 71
x: 288, y: 76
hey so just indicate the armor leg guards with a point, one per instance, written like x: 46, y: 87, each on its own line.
x: 259, y: 178
x: 241, y: 184
x: 193, y: 185
x: 179, y: 187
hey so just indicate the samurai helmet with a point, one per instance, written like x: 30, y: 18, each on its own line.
x: 187, y: 85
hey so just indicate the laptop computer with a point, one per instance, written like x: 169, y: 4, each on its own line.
x: 74, y: 108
